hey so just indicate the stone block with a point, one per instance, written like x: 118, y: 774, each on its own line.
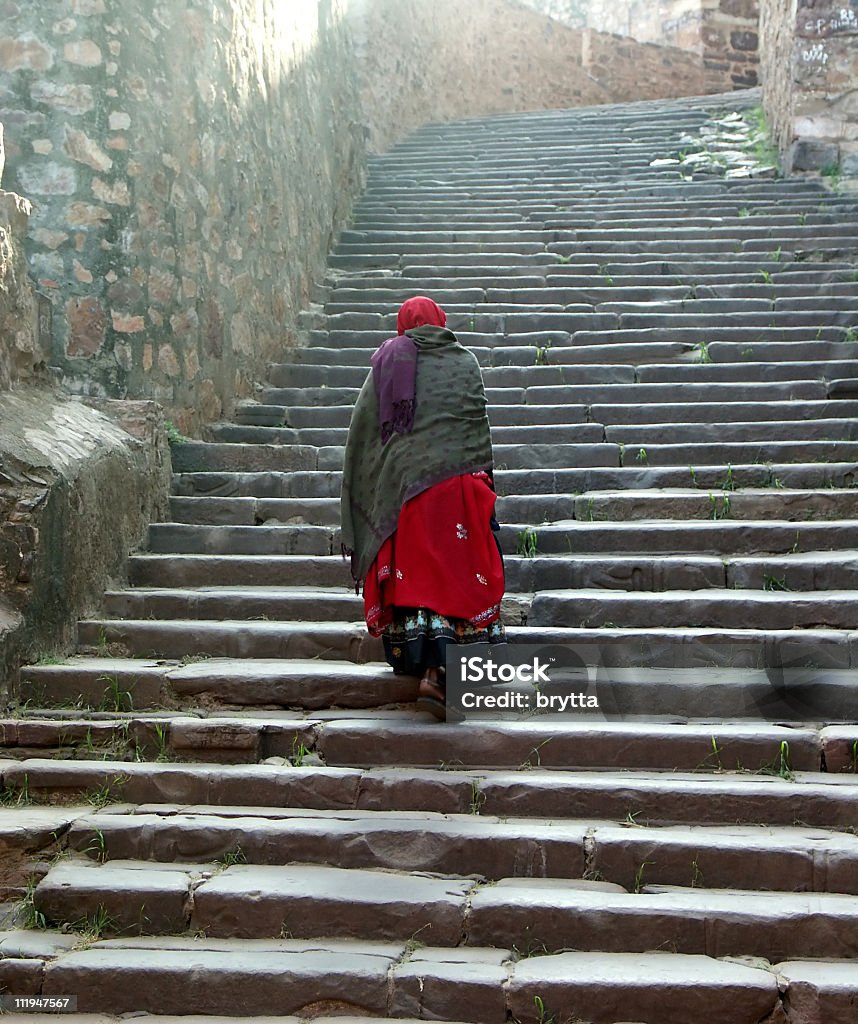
x: 812, y: 155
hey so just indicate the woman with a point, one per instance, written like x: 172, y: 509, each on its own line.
x: 418, y: 502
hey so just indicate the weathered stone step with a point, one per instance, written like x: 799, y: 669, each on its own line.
x: 524, y: 575
x: 294, y: 539
x: 465, y: 313
x: 695, y: 332
x: 765, y: 430
x: 727, y: 856
x: 653, y: 431
x: 684, y: 503
x: 721, y: 537
x: 557, y: 744
x: 195, y: 456
x: 529, y: 354
x: 656, y: 407
x: 369, y: 221
x: 752, y: 370
x: 528, y: 482
x: 619, y: 647
x: 386, y: 906
x: 262, y: 603
x: 256, y: 682
x: 606, y: 208
x: 247, y: 511
x: 723, y: 609
x: 29, y: 834
x: 190, y: 638
x: 706, y: 390
x: 569, y: 455
x: 274, y: 484
x: 499, y: 282
x: 566, y: 433
x: 741, y: 237
x: 659, y: 798
x: 628, y: 504
x: 237, y: 978
x: 720, y: 412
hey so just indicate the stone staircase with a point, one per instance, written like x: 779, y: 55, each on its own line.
x: 225, y: 806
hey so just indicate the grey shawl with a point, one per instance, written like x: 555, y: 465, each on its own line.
x: 450, y: 437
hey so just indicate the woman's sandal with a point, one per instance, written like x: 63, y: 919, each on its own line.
x: 432, y: 696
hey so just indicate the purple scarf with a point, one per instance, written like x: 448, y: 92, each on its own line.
x: 394, y: 374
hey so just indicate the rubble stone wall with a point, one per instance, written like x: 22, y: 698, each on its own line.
x: 810, y: 82
x: 666, y: 22
x: 731, y: 43
x: 189, y: 164
x: 460, y: 59
x: 21, y: 358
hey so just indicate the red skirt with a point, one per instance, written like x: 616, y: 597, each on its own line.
x: 443, y: 557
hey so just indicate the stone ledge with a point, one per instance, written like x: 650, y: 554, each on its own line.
x: 78, y: 488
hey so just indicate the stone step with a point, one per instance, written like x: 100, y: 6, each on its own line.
x: 809, y: 571
x: 680, y: 433
x: 796, y: 571
x: 650, y: 432
x: 463, y: 307
x: 722, y: 537
x: 241, y: 977
x: 691, y: 453
x: 619, y: 647
x: 621, y: 411
x: 724, y: 413
x: 705, y: 390
x: 194, y: 638
x: 388, y: 906
x: 817, y: 799
x: 721, y: 609
x: 368, y: 222
x: 497, y: 283
x: 29, y: 834
x: 685, y: 503
x: 529, y: 355
x: 408, y: 740
x: 326, y: 484
x: 274, y: 484
x: 697, y: 333
x: 574, y: 433
x: 725, y: 857
x: 291, y: 683
x: 260, y: 603
x: 739, y: 235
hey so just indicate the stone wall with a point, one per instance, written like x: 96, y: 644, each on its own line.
x: 730, y: 37
x: 461, y: 59
x: 20, y: 355
x: 810, y: 82
x: 665, y: 22
x: 190, y: 162
x: 78, y: 489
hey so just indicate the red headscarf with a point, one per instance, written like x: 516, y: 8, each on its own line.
x: 419, y: 311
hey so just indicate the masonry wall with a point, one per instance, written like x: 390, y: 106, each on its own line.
x: 21, y: 358
x: 460, y: 59
x: 665, y: 22
x: 730, y: 44
x: 810, y: 82
x: 189, y: 164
